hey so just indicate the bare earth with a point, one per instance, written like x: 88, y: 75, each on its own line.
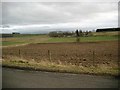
x: 84, y: 54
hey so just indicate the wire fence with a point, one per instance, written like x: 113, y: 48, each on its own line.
x: 89, y: 58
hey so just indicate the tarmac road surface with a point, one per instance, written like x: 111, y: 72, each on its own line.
x: 15, y: 78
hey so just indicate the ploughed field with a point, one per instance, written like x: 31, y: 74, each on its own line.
x: 85, y: 54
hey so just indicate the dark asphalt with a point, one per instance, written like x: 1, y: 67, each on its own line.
x: 0, y: 76
x: 14, y: 78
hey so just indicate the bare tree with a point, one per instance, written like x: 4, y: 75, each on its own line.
x: 77, y: 33
x: 77, y: 36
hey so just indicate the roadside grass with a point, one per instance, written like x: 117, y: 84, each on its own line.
x: 46, y: 65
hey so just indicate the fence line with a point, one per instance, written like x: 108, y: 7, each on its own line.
x: 91, y: 57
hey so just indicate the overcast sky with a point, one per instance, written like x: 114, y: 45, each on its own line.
x: 50, y: 16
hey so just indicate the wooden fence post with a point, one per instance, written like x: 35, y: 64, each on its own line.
x: 49, y: 54
x: 93, y: 58
x: 19, y: 53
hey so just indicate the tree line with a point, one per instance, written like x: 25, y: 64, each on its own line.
x: 78, y: 33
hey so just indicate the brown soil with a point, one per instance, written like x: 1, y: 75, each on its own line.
x: 84, y: 54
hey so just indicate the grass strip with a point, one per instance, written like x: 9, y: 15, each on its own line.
x: 62, y: 68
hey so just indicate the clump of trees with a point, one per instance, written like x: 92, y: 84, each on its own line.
x: 78, y: 33
x: 60, y: 34
x: 53, y: 34
x: 87, y: 33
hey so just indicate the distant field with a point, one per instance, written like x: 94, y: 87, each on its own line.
x: 37, y: 38
x: 24, y: 39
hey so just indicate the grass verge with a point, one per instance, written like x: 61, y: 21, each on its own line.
x: 59, y: 67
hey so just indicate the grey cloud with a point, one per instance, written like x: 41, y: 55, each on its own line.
x: 52, y: 13
x: 0, y: 13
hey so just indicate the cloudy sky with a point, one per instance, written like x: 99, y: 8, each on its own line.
x: 36, y: 17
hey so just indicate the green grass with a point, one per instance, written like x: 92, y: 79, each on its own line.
x: 23, y: 39
x: 83, y: 39
x: 6, y: 43
x: 99, y: 38
x: 62, y: 39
